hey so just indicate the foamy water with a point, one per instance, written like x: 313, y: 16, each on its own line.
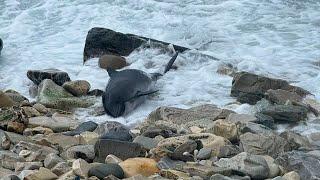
x: 278, y: 38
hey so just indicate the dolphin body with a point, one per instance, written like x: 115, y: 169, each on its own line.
x: 127, y: 89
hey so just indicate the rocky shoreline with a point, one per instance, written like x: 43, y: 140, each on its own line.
x: 44, y: 139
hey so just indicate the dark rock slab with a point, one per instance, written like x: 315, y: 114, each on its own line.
x: 306, y: 165
x: 118, y: 134
x: 153, y: 131
x: 250, y: 88
x: 103, y: 170
x: 102, y: 41
x: 168, y: 163
x: 265, y: 120
x: 286, y: 113
x: 109, y: 126
x: 56, y: 75
x: 296, y: 140
x: 121, y: 149
x: 178, y: 153
x: 280, y: 96
x: 85, y: 126
x: 228, y: 151
x: 146, y: 142
x: 264, y: 144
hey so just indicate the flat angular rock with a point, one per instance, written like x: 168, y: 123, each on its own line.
x: 85, y: 126
x: 104, y: 170
x: 306, y: 165
x: 58, y: 123
x: 205, y: 172
x: 281, y: 97
x: 9, y: 159
x: 61, y: 168
x: 81, y: 168
x: 20, y: 166
x: 264, y: 144
x: 43, y: 174
x: 121, y: 149
x: 62, y: 141
x: 182, y: 116
x: 254, y: 166
x: 57, y: 76
x: 100, y: 41
x: 296, y: 140
x: 51, y: 160
x: 250, y: 88
x: 85, y: 152
x: 108, y: 126
x: 5, y: 100
x: 285, y: 113
x: 146, y: 142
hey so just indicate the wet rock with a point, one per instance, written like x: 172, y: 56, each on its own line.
x: 228, y: 151
x: 204, y: 171
x: 274, y: 169
x: 51, y: 160
x: 37, y: 130
x: 173, y: 174
x: 253, y: 128
x: 112, y: 159
x: 313, y: 105
x: 112, y: 61
x: 100, y: 41
x: 265, y: 120
x: 254, y: 166
x: 9, y: 159
x: 226, y: 129
x: 179, y: 152
x: 159, y: 130
x: 58, y: 122
x: 235, y: 177
x: 85, y: 126
x: 118, y: 134
x: 227, y: 69
x: 291, y: 176
x: 30, y: 112
x: 77, y: 88
x: 167, y: 163
x: 281, y: 97
x: 85, y: 152
x: 5, y: 172
x: 5, y: 100
x: 54, y: 96
x: 146, y: 142
x: 296, y: 140
x: 204, y: 153
x: 57, y: 76
x: 250, y: 88
x: 95, y: 92
x: 16, y: 127
x: 81, y: 168
x: 1, y: 45
x: 42, y: 173
x: 135, y: 166
x: 208, y: 140
x: 306, y: 165
x: 40, y: 108
x: 42, y: 150
x: 182, y: 116
x: 61, y: 168
x: 263, y: 144
x: 285, y: 113
x: 108, y: 126
x: 15, y: 96
x: 104, y: 170
x: 89, y: 138
x: 121, y: 149
x: 20, y: 166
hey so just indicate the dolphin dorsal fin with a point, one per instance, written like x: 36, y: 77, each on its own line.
x: 111, y: 71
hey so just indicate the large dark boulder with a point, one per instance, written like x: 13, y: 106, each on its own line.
x: 121, y: 149
x: 57, y: 76
x: 285, y: 113
x: 305, y: 164
x: 102, y: 41
x: 250, y: 88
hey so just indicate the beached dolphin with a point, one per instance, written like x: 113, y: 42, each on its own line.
x: 129, y: 88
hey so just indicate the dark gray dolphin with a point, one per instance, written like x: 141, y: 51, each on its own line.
x: 129, y: 88
x: 1, y: 45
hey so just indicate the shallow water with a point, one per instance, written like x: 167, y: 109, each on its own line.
x: 278, y: 38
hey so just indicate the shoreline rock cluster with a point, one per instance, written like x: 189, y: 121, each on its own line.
x: 44, y: 140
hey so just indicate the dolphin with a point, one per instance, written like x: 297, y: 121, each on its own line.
x: 129, y: 88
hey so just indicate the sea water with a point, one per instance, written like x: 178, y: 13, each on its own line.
x: 277, y: 38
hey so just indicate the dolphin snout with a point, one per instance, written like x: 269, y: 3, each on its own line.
x: 116, y: 110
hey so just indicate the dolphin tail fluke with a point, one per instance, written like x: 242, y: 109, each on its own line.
x: 170, y: 63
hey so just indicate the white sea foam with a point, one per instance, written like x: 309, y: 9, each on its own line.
x: 278, y: 38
